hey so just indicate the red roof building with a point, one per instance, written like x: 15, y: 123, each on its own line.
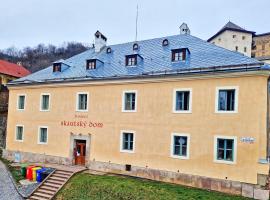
x: 12, y: 69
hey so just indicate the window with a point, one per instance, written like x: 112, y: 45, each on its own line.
x: 219, y: 39
x: 129, y: 101
x: 236, y: 48
x: 263, y: 46
x: 109, y: 50
x: 234, y: 36
x: 127, y: 141
x: 82, y: 101
x: 91, y: 64
x: 225, y: 149
x: 243, y: 37
x: 182, y: 101
x: 43, y: 135
x: 227, y: 100
x: 45, y: 102
x: 165, y: 42
x: 21, y: 102
x: 180, y: 146
x: 56, y: 67
x: 19, y: 133
x: 178, y: 55
x: 131, y: 60
x: 135, y: 46
x: 245, y: 49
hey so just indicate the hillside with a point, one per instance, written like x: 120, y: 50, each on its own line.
x: 41, y: 56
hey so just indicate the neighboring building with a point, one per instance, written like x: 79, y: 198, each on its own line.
x: 184, y: 29
x: 10, y: 71
x: 261, y: 47
x: 234, y: 38
x: 175, y: 109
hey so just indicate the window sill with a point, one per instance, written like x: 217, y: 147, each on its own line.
x: 44, y: 110
x: 81, y: 110
x: 42, y: 143
x: 182, y: 112
x: 225, y: 162
x: 20, y: 109
x: 19, y: 141
x: 226, y: 112
x: 127, y: 151
x: 180, y: 157
x: 129, y: 111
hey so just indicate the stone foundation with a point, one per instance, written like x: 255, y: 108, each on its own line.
x: 225, y: 186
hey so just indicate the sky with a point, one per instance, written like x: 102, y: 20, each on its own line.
x: 30, y: 22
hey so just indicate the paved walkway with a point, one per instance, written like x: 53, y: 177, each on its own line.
x: 7, y: 189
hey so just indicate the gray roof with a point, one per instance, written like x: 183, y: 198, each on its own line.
x: 156, y: 60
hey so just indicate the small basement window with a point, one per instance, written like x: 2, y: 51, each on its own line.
x: 131, y: 60
x: 56, y: 67
x: 109, y: 50
x: 135, y: 46
x: 165, y: 42
x: 91, y: 64
x: 178, y: 55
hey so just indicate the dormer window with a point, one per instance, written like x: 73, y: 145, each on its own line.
x: 135, y: 46
x: 178, y: 55
x: 56, y: 67
x: 131, y: 60
x: 91, y: 64
x: 109, y: 50
x: 165, y: 42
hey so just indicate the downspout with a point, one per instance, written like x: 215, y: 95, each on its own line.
x: 268, y: 122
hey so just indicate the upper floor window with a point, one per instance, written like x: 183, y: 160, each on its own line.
x: 135, y: 46
x: 82, y: 101
x: 236, y: 48
x: 129, y: 103
x: 43, y: 135
x: 91, y: 64
x: 178, y: 55
x: 131, y: 60
x: 225, y: 149
x: 109, y: 50
x: 19, y: 133
x: 234, y: 36
x: 245, y: 49
x: 45, y: 102
x: 243, y: 37
x: 56, y: 67
x: 180, y: 146
x: 21, y: 102
x: 127, y: 141
x: 227, y: 100
x: 182, y: 101
x: 165, y: 42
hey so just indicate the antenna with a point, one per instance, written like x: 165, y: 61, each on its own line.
x: 137, y: 23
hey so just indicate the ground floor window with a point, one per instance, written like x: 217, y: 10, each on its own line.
x: 19, y: 133
x: 43, y: 135
x: 225, y: 149
x: 127, y: 141
x: 180, y: 146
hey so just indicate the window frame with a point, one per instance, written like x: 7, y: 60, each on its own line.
x: 123, y: 100
x: 172, y: 146
x: 93, y: 64
x: 121, y: 141
x: 18, y: 95
x: 41, y: 101
x: 133, y: 56
x: 234, y: 138
x: 176, y: 51
x: 19, y: 125
x: 39, y: 132
x: 77, y: 102
x: 190, y: 100
x: 236, y: 88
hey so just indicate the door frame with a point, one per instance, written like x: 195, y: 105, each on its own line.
x: 73, y: 139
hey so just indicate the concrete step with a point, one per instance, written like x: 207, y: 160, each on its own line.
x: 63, y: 172
x: 51, y: 185
x: 42, y: 195
x: 55, y: 182
x: 45, y: 191
x: 61, y: 176
x: 57, y: 178
x: 48, y: 188
x: 37, y: 198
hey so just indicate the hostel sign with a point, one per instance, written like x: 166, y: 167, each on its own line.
x: 83, y: 124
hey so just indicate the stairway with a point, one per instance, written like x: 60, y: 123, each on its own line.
x: 50, y: 186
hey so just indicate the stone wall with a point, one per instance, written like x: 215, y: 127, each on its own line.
x: 3, y: 115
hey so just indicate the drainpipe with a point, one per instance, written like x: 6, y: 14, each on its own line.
x: 268, y: 122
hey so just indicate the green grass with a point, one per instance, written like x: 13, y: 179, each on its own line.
x: 105, y: 187
x: 15, y: 171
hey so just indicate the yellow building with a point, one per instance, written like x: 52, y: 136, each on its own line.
x: 175, y: 109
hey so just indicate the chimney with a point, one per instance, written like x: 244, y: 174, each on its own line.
x: 184, y: 30
x: 100, y: 41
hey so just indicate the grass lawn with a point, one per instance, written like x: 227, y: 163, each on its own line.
x: 105, y: 187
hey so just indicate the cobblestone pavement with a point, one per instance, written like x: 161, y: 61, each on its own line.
x: 7, y: 189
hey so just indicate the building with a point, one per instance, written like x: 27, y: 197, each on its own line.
x: 10, y: 71
x: 261, y: 47
x: 234, y: 38
x: 176, y: 109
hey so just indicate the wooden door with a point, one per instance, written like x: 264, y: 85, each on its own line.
x: 80, y: 153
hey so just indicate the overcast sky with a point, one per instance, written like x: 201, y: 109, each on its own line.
x: 29, y: 22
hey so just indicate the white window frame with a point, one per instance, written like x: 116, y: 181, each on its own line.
x: 18, y: 101
x: 216, y: 137
x: 19, y: 125
x: 236, y: 88
x: 77, y: 101
x: 190, y: 100
x: 39, y: 128
x: 41, y: 95
x: 121, y: 141
x: 123, y: 100
x: 172, y: 145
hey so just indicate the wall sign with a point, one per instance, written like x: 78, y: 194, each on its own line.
x: 249, y: 140
x: 83, y: 124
